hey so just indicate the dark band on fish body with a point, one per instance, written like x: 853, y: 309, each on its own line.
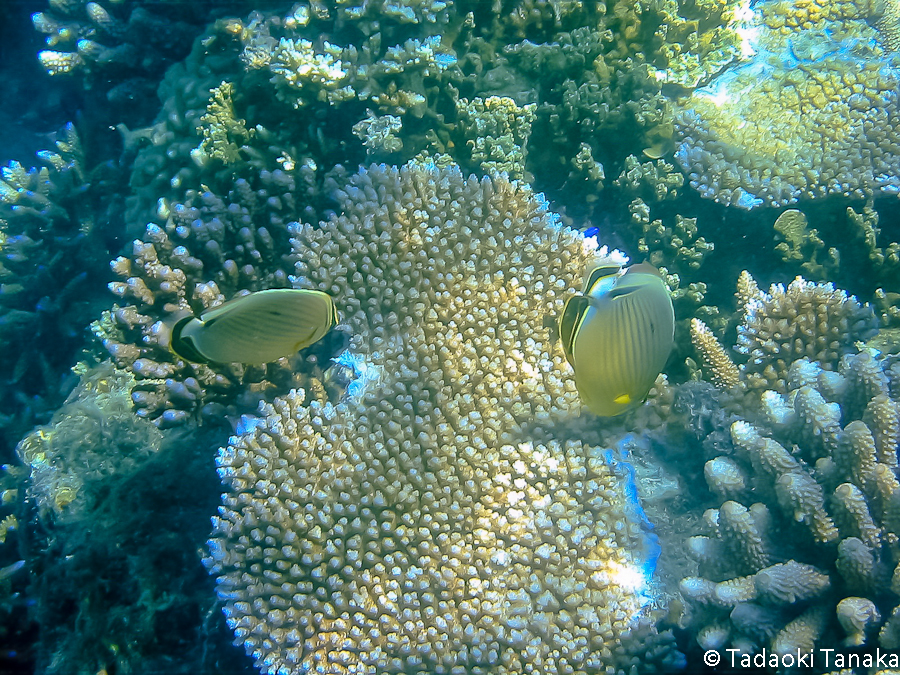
x: 183, y: 346
x: 600, y: 273
x: 570, y: 322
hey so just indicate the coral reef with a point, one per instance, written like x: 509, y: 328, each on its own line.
x: 52, y: 250
x: 724, y: 373
x: 497, y: 132
x: 64, y: 457
x: 210, y: 249
x: 119, y: 47
x: 803, y: 539
x: 802, y: 320
x: 812, y: 113
x: 452, y: 513
x: 801, y: 245
x: 112, y: 534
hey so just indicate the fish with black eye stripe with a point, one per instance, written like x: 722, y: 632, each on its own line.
x: 256, y: 328
x: 617, y: 336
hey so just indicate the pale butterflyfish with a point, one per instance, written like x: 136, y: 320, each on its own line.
x: 255, y: 328
x: 617, y: 336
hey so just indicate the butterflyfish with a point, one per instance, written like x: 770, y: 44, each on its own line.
x: 617, y: 335
x: 255, y: 328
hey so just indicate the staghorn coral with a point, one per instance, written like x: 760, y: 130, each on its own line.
x: 812, y: 113
x: 718, y: 363
x: 443, y: 517
x: 829, y: 502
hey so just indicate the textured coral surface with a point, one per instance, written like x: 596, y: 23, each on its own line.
x: 443, y: 517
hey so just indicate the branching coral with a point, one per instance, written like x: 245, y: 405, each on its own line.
x: 120, y: 47
x: 209, y: 249
x: 802, y: 245
x: 223, y: 132
x: 827, y: 509
x: 443, y: 517
x: 815, y: 321
x: 497, y: 132
x: 51, y: 251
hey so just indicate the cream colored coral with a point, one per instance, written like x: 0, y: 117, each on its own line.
x: 787, y: 583
x: 804, y: 319
x: 437, y: 519
x: 742, y: 537
x: 883, y: 418
x: 852, y: 512
x: 857, y: 616
x: 802, y: 634
x: 714, y: 356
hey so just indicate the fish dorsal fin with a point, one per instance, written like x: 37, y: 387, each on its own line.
x: 570, y: 322
x: 598, y: 273
x: 643, y: 268
x: 210, y: 315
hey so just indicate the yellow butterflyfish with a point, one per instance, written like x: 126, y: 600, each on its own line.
x: 255, y: 328
x: 618, y: 335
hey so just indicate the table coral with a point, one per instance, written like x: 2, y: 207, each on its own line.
x: 444, y: 516
x: 813, y: 113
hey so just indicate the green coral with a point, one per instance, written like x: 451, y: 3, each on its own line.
x: 696, y: 39
x: 497, y: 131
x: 800, y: 244
x: 809, y: 115
x: 223, y: 132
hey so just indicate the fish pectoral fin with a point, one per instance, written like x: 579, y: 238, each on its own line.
x: 622, y: 399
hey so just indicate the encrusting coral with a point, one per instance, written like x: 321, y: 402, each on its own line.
x: 112, y: 535
x: 450, y: 514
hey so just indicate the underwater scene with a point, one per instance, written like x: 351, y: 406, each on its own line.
x: 449, y: 337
